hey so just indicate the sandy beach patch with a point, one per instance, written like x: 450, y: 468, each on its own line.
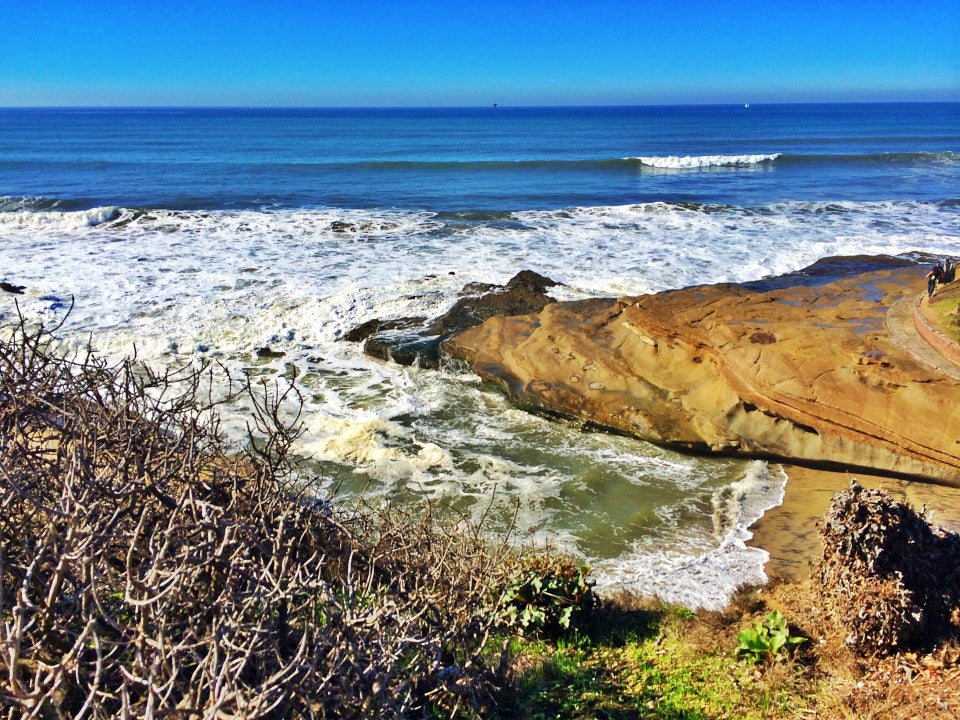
x: 790, y: 534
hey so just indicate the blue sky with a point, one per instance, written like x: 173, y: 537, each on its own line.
x: 471, y: 52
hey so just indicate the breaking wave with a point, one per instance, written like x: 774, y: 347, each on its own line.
x: 699, y: 162
x: 39, y: 213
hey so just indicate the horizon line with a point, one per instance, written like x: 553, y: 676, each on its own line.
x: 493, y: 106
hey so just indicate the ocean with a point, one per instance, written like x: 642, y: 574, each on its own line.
x: 197, y: 235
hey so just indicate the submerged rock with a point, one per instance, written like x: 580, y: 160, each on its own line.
x: 11, y: 288
x: 372, y: 327
x: 341, y: 226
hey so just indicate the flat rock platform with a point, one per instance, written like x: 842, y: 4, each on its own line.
x: 822, y: 368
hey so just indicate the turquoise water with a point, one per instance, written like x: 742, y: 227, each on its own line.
x: 204, y: 234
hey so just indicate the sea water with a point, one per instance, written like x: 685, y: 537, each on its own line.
x: 205, y: 234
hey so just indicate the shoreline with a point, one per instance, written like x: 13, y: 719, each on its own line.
x: 790, y: 531
x: 824, y: 366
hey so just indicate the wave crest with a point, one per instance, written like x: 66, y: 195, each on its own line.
x: 27, y: 214
x: 698, y: 162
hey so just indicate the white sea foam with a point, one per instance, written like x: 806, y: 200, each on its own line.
x: 349, y: 263
x: 680, y: 575
x: 187, y: 286
x: 699, y: 162
x: 658, y: 246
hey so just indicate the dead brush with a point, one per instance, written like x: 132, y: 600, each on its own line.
x: 146, y: 570
x: 887, y: 581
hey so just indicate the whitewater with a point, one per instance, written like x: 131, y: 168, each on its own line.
x: 212, y: 235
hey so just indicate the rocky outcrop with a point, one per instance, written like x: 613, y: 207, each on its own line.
x: 409, y: 341
x: 799, y: 368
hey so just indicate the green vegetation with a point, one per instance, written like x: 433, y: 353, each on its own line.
x: 943, y: 310
x: 550, y: 596
x: 767, y: 641
x: 654, y: 663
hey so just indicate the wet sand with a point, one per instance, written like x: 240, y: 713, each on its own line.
x: 790, y: 533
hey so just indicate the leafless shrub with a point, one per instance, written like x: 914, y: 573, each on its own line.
x: 887, y: 580
x: 147, y: 571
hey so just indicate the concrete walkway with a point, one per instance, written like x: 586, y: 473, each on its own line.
x: 903, y: 332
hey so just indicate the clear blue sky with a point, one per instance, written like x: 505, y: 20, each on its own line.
x: 475, y: 52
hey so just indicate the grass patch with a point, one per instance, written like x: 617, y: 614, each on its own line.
x: 942, y: 308
x: 651, y: 663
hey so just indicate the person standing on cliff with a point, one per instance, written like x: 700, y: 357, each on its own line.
x: 933, y: 277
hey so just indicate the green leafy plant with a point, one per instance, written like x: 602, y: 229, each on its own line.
x: 550, y: 596
x: 767, y: 641
x: 683, y: 613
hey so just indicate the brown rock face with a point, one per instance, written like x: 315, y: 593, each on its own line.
x: 802, y: 368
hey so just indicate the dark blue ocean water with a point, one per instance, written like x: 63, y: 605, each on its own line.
x: 478, y: 159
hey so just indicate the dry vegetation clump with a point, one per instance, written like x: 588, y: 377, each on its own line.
x: 147, y: 571
x: 910, y: 686
x: 887, y: 581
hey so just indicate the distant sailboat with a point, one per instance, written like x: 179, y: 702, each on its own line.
x: 746, y: 105
x: 494, y: 106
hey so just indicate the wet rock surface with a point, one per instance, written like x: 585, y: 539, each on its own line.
x: 525, y: 293
x: 415, y: 340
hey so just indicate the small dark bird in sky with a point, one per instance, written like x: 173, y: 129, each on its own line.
x: 10, y: 288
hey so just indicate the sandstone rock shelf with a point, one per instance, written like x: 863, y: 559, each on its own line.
x: 801, y: 368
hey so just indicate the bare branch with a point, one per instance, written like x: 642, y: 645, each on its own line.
x: 146, y: 570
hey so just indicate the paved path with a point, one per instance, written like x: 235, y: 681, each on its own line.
x: 904, y: 334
